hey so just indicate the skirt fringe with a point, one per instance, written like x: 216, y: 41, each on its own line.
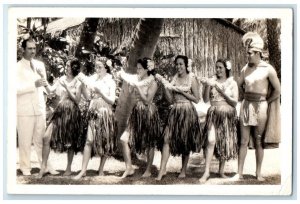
x: 225, y: 121
x: 182, y: 130
x: 143, y: 127
x: 66, y: 127
x: 103, y: 128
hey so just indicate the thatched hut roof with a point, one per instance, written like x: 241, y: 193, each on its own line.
x: 63, y: 24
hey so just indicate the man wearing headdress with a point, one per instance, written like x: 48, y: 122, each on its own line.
x: 256, y: 79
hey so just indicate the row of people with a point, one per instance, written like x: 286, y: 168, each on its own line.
x: 182, y: 133
x: 143, y: 129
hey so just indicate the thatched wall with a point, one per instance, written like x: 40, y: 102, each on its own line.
x: 118, y: 32
x: 203, y: 40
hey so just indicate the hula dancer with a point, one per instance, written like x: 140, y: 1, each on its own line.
x: 143, y: 126
x: 63, y: 133
x: 102, y: 129
x: 182, y: 133
x: 221, y: 119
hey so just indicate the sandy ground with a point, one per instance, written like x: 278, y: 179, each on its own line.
x: 114, y: 169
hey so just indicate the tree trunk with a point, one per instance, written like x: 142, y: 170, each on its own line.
x: 273, y: 35
x: 28, y: 23
x: 87, y: 36
x: 45, y: 22
x: 144, y: 42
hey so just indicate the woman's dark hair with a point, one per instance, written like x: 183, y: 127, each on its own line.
x: 223, y: 61
x: 75, y: 66
x: 185, y: 60
x: 144, y: 63
x: 107, y: 68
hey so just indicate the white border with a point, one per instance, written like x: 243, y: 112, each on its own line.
x: 286, y: 146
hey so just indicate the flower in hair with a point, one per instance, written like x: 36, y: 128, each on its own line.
x: 228, y: 65
x: 151, y: 67
x: 189, y: 67
x: 109, y: 63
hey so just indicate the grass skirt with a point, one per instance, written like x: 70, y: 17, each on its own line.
x: 103, y: 128
x: 225, y: 120
x: 66, y: 127
x: 84, y: 107
x: 143, y: 127
x: 182, y: 130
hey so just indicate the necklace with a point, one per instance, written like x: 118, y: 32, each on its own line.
x: 146, y: 81
x: 187, y: 83
x: 221, y: 81
x: 69, y: 80
x: 100, y: 77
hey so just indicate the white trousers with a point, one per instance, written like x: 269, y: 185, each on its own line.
x: 31, y: 129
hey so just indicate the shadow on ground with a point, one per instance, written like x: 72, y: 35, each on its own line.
x: 114, y: 177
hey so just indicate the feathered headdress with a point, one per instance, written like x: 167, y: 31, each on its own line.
x: 253, y: 41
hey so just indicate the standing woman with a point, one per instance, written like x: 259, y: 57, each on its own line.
x: 182, y: 133
x: 102, y: 129
x: 221, y: 119
x: 63, y: 133
x: 143, y: 126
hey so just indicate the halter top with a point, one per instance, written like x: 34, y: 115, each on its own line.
x: 62, y: 92
x: 185, y: 86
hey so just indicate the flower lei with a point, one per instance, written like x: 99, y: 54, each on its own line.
x: 145, y: 82
x: 186, y: 86
x: 133, y: 78
x: 164, y: 81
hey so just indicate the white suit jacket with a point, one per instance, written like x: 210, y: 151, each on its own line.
x: 30, y: 100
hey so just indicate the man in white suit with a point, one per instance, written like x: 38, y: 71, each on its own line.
x: 31, y: 107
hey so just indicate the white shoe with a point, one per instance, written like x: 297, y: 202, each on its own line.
x: 26, y: 173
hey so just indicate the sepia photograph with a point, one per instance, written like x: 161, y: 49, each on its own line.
x: 151, y: 101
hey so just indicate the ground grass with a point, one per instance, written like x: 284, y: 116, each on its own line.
x: 114, y: 168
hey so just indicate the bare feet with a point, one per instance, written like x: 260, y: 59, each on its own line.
x: 161, y: 174
x: 79, y: 176
x: 222, y: 175
x: 237, y: 177
x: 146, y: 174
x: 68, y: 172
x: 53, y: 172
x: 41, y: 173
x: 101, y: 173
x: 204, y: 178
x: 128, y: 172
x: 182, y: 175
x: 260, y: 178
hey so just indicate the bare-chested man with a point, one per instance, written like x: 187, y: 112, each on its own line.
x: 255, y: 79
